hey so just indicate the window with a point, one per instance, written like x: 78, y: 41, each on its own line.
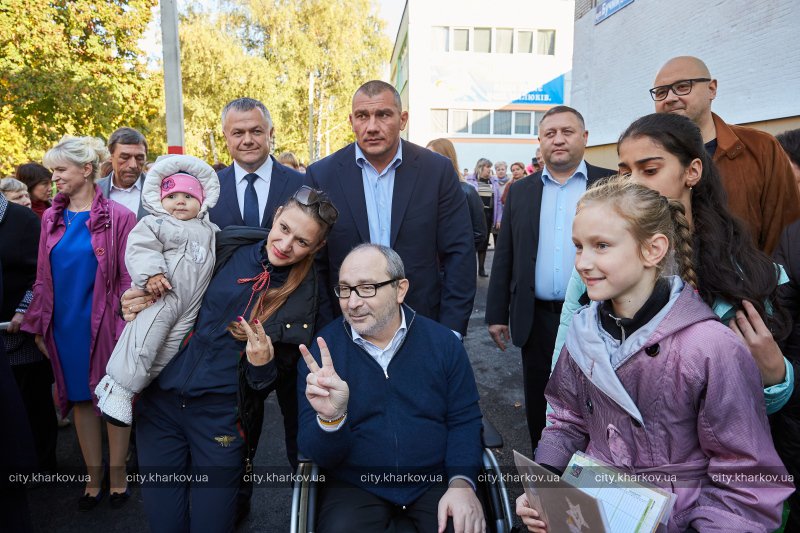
x: 440, y: 39
x: 439, y: 120
x: 546, y: 42
x: 503, y: 38
x: 460, y: 121
x: 483, y: 40
x: 522, y: 123
x: 461, y: 40
x: 502, y: 122
x: 525, y: 42
x: 481, y: 122
x: 537, y: 118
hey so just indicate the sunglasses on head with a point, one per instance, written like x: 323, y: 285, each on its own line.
x: 310, y: 197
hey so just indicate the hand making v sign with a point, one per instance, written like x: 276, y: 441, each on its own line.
x: 326, y: 391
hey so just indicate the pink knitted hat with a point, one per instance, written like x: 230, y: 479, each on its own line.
x: 182, y: 182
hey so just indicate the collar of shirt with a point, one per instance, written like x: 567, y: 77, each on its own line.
x: 383, y: 355
x: 361, y: 160
x: 581, y: 171
x: 136, y: 184
x: 3, y: 207
x: 264, y: 171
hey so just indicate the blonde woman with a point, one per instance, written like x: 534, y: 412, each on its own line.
x: 74, y: 312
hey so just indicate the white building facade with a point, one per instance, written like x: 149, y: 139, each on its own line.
x: 751, y: 48
x: 482, y: 73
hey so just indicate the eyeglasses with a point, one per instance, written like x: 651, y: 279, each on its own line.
x: 309, y: 197
x: 680, y: 88
x: 365, y: 290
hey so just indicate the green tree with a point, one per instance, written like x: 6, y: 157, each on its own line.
x: 340, y: 42
x: 72, y: 67
x: 216, y: 68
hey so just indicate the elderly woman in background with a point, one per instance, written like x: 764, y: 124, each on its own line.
x: 445, y: 147
x: 39, y: 182
x: 75, y: 308
x: 15, y: 191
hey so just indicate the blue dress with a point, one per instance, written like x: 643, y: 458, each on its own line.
x: 74, y: 268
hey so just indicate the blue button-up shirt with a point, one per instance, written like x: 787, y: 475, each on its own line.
x: 378, y: 189
x: 556, y: 253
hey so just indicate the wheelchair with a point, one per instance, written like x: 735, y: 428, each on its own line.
x: 491, y: 492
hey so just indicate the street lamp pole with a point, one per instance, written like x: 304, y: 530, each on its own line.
x: 173, y: 88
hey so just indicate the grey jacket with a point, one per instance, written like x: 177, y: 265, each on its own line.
x: 181, y: 250
x: 105, y: 188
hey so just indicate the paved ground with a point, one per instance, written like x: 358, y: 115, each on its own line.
x: 54, y: 505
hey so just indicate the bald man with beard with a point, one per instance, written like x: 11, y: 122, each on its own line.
x: 755, y: 171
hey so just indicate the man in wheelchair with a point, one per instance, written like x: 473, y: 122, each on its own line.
x: 389, y: 409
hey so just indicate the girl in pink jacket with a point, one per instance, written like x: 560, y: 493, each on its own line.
x: 650, y: 381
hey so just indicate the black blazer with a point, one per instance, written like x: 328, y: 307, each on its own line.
x: 283, y: 184
x: 431, y: 231
x: 512, y: 284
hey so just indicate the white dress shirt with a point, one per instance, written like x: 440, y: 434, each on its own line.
x: 130, y: 197
x: 261, y: 184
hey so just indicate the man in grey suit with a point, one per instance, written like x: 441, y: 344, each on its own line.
x: 128, y: 149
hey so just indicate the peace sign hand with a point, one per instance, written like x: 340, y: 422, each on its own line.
x: 326, y: 391
x: 259, y: 348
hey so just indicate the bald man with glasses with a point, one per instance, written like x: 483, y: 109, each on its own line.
x: 755, y: 171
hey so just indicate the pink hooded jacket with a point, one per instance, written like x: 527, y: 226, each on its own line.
x: 679, y: 397
x: 109, y: 224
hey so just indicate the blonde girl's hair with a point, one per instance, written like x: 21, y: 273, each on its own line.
x: 647, y: 213
x: 444, y: 147
x: 78, y: 151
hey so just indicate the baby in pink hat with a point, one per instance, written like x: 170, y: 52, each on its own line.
x: 170, y: 253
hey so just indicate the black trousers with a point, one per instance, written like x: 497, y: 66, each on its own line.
x: 285, y: 387
x: 537, y: 355
x: 34, y: 381
x: 344, y: 509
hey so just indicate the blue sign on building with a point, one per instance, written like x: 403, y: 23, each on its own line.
x: 606, y: 8
x: 551, y: 92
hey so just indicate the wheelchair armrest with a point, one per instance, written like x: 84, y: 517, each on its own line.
x: 490, y: 436
x: 303, y: 459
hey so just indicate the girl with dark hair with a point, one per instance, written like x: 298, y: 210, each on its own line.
x: 665, y: 152
x: 203, y: 414
x: 649, y: 381
x: 38, y: 180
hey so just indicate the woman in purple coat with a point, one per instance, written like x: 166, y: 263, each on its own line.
x: 649, y: 380
x: 74, y: 312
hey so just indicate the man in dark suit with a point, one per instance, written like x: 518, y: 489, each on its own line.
x: 255, y: 184
x: 400, y: 195
x: 534, y: 256
x: 251, y: 189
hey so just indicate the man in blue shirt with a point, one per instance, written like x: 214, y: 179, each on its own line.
x: 534, y: 255
x: 397, y: 194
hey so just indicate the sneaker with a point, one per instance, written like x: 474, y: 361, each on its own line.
x: 115, y: 402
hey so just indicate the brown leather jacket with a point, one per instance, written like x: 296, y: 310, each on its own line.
x: 758, y: 178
